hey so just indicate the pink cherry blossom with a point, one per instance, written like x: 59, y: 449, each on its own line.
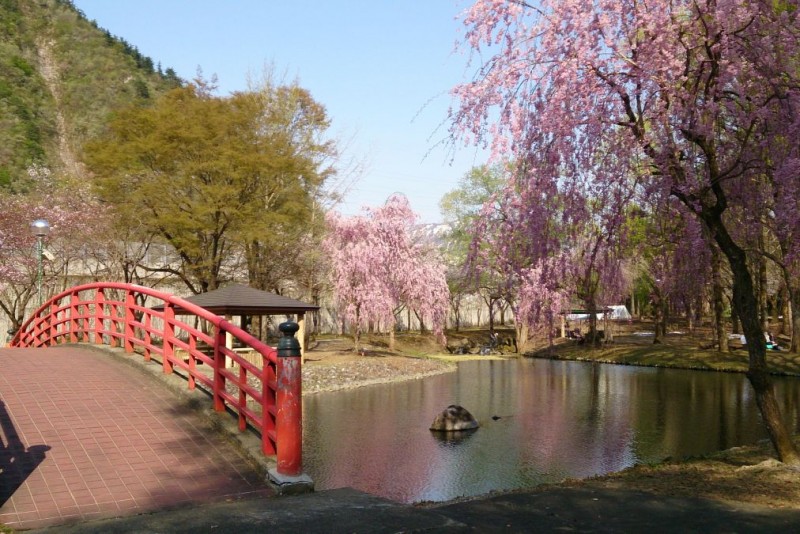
x: 696, y: 102
x: 377, y: 268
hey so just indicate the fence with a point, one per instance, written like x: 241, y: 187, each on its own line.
x: 115, y: 314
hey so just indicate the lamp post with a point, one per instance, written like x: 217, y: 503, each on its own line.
x: 40, y: 228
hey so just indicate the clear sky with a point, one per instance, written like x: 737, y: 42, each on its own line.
x: 382, y: 68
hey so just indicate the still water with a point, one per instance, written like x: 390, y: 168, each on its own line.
x: 556, y: 420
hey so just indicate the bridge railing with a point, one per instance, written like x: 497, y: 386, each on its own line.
x: 115, y: 314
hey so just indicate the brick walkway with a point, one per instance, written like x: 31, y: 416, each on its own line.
x: 84, y: 437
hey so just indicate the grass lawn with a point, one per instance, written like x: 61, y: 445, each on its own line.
x: 679, y: 349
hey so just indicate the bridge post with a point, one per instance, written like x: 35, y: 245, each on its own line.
x: 168, y: 351
x: 74, y: 313
x: 219, y: 364
x: 129, y: 334
x: 99, y: 315
x: 288, y: 477
x: 54, y: 324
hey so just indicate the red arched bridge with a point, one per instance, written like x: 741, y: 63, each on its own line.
x: 262, y: 392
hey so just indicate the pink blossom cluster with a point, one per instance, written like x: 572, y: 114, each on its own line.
x: 377, y: 268
x: 540, y: 297
x: 613, y: 102
x: 550, y: 243
x: 73, y: 216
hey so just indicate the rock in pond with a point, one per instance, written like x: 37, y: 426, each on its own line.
x: 453, y: 418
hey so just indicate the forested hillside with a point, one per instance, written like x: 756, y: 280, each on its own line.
x: 60, y: 77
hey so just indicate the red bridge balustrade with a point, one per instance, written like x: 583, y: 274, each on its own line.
x: 115, y: 314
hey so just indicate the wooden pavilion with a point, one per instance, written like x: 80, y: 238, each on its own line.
x: 237, y: 300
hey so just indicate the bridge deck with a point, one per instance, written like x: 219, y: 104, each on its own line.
x: 83, y: 437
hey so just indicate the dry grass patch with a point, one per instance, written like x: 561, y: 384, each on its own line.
x: 681, y: 351
x: 743, y: 474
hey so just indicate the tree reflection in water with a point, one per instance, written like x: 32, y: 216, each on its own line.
x: 558, y: 420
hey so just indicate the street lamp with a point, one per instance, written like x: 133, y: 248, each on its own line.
x: 40, y: 228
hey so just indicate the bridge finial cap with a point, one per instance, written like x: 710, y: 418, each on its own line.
x: 288, y: 345
x: 289, y: 328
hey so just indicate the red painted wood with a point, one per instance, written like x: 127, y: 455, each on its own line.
x: 130, y: 304
x: 74, y: 312
x: 92, y: 312
x: 99, y: 315
x: 289, y: 422
x: 219, y: 362
x: 168, y: 339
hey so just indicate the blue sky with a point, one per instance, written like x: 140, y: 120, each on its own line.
x: 382, y: 68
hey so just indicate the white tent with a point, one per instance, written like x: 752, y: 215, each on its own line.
x: 615, y: 313
x: 619, y: 313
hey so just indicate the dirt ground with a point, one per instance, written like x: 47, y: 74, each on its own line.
x: 332, y: 364
x: 743, y: 474
x: 682, y: 348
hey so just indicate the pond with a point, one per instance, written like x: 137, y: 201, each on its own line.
x: 541, y: 421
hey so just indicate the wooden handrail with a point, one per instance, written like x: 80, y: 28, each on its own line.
x: 89, y: 313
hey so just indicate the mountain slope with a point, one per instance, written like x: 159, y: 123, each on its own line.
x: 60, y: 77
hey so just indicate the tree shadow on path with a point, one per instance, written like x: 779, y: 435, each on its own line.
x: 16, y: 461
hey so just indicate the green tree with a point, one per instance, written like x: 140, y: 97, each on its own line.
x: 460, y: 208
x: 60, y: 77
x: 285, y: 215
x: 213, y: 177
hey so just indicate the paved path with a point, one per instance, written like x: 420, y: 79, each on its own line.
x: 555, y: 510
x: 83, y: 436
x: 90, y: 445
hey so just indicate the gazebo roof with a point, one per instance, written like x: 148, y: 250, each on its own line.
x: 243, y: 300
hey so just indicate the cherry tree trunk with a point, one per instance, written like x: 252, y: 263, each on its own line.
x: 522, y: 336
x: 658, y: 319
x: 736, y: 327
x: 794, y: 311
x: 719, y: 305
x: 762, y: 292
x: 591, y: 306
x: 357, y: 331
x: 783, y: 311
x: 747, y: 308
x: 421, y: 320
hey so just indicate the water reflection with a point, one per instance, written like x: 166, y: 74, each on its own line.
x: 454, y: 437
x: 552, y: 420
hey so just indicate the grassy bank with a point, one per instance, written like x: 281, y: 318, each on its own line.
x: 679, y: 350
x: 743, y: 475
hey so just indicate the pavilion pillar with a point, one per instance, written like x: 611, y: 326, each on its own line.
x: 228, y: 342
x: 301, y: 335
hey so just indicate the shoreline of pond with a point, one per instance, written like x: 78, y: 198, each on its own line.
x: 725, y: 475
x: 742, y: 474
x: 675, y: 353
x: 338, y: 371
x: 739, y: 475
x: 745, y: 474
